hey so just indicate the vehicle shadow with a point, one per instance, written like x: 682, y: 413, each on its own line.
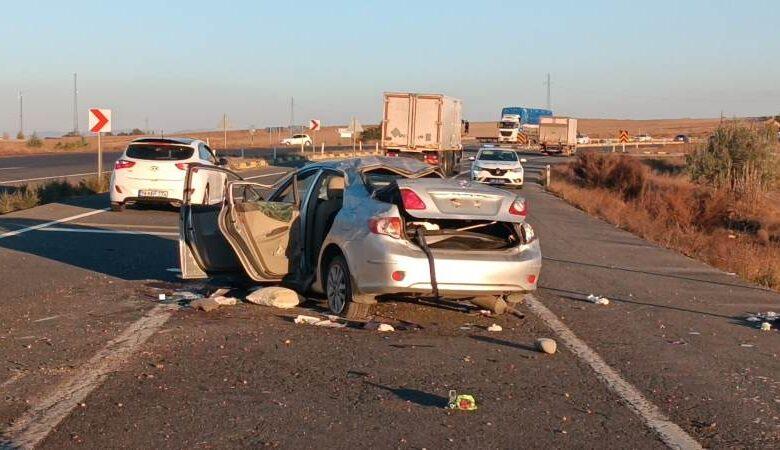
x: 581, y: 297
x: 414, y: 396
x: 664, y: 275
x: 495, y: 341
x: 127, y: 255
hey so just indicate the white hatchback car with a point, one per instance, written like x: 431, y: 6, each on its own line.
x: 298, y: 139
x: 152, y: 170
x: 497, y: 166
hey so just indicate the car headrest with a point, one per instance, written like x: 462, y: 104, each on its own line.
x: 335, y: 187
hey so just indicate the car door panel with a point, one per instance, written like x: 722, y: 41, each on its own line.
x: 203, y: 249
x: 260, y: 231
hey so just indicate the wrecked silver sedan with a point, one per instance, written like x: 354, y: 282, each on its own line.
x: 358, y: 228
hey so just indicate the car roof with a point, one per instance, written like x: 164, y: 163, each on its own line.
x: 174, y: 140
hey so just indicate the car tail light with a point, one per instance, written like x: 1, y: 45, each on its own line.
x: 123, y: 164
x: 432, y: 158
x: 519, y: 207
x: 389, y: 226
x: 392, y: 154
x: 531, y: 279
x: 411, y: 200
x: 181, y: 166
x: 398, y: 275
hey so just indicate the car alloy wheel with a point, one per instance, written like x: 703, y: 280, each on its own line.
x: 337, y: 286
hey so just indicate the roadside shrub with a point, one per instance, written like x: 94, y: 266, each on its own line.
x: 22, y: 198
x: 371, y: 134
x: 34, y: 141
x: 740, y: 158
x: 20, y: 136
x: 81, y: 143
x: 619, y: 173
x: 15, y: 199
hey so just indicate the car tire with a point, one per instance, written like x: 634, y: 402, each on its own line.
x: 117, y: 207
x: 338, y: 285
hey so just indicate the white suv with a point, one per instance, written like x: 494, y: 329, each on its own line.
x: 297, y: 139
x: 152, y: 170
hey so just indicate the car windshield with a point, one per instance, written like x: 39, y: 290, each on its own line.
x: 297, y: 136
x: 159, y: 152
x: 508, y: 124
x: 497, y: 155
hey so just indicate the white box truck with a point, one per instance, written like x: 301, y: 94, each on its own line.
x: 558, y: 135
x: 423, y: 126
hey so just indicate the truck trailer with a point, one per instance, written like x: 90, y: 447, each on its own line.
x: 558, y: 135
x: 423, y: 126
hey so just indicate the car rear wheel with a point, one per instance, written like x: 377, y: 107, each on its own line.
x: 117, y: 207
x: 338, y: 289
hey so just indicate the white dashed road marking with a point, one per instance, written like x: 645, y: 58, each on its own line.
x: 669, y: 432
x: 53, y: 222
x: 32, y: 427
x: 99, y: 231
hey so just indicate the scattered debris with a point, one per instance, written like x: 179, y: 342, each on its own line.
x: 173, y: 269
x: 225, y: 301
x: 769, y: 316
x: 677, y: 342
x: 495, y: 328
x: 275, y: 296
x: 310, y: 320
x: 161, y: 297
x: 746, y: 345
x: 378, y: 326
x: 766, y: 326
x: 205, y: 304
x: 45, y: 319
x: 546, y: 345
x: 598, y: 300
x: 463, y: 402
x: 496, y: 305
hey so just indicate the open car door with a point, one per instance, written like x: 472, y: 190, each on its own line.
x: 203, y: 250
x: 263, y: 234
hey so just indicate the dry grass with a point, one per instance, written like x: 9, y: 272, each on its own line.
x: 714, y: 226
x: 30, y: 196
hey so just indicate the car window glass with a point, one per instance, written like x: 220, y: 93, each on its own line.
x: 304, y: 181
x: 205, y: 154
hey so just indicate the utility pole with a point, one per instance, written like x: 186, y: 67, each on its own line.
x: 549, y: 104
x: 75, y: 104
x: 21, y: 114
x: 292, y: 114
x: 146, y: 124
x: 225, y: 127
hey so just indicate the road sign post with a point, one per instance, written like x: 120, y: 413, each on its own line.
x: 623, y: 139
x: 99, y: 122
x: 314, y: 127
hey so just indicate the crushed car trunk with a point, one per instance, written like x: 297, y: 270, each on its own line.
x: 452, y: 234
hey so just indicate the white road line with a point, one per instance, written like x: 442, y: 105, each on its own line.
x: 35, y: 424
x: 266, y: 175
x: 669, y: 432
x: 125, y: 225
x: 53, y: 222
x: 50, y: 178
x: 98, y: 231
x: 10, y: 168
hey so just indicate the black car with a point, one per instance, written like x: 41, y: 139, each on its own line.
x: 682, y: 138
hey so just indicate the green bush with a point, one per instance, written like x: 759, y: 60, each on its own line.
x: 371, y: 133
x: 742, y: 159
x: 34, y: 141
x: 20, y: 136
x: 30, y: 196
x: 81, y: 143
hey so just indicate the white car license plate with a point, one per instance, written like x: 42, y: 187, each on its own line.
x: 152, y: 193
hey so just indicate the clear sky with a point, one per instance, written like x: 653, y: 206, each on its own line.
x: 183, y: 63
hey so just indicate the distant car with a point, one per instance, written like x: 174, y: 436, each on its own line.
x: 582, y: 139
x: 497, y: 166
x: 682, y: 138
x: 297, y: 139
x: 152, y: 170
x: 644, y: 138
x: 359, y: 228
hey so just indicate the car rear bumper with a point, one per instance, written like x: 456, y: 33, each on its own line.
x: 374, y: 261
x: 125, y: 189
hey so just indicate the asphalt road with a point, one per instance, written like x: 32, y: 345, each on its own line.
x: 88, y: 356
x: 17, y: 170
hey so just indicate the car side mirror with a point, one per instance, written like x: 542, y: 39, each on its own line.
x: 471, y: 158
x: 523, y: 160
x: 222, y: 162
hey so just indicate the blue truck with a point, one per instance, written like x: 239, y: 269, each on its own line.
x: 520, y: 125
